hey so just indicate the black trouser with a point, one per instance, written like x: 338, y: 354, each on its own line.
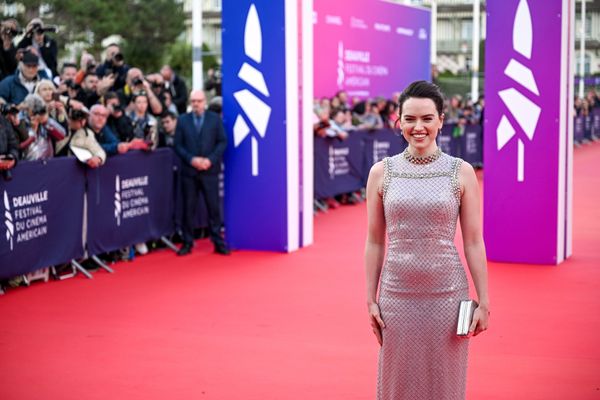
x: 191, y: 188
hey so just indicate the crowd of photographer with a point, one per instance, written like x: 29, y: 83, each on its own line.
x: 89, y: 110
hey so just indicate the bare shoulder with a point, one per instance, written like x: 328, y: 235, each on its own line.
x: 376, y: 170
x: 466, y: 176
x: 466, y: 170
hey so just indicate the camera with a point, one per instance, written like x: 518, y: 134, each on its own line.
x: 70, y: 83
x: 6, y: 109
x: 11, y: 32
x: 118, y: 57
x: 137, y: 81
x: 77, y: 115
x: 39, y: 29
x: 56, y: 96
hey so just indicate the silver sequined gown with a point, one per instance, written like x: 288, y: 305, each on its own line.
x: 422, y: 283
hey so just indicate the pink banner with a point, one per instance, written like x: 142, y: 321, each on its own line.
x: 369, y: 48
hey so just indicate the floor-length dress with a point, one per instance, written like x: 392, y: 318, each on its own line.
x: 422, y: 282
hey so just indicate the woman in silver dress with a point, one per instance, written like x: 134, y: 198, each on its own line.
x: 415, y: 198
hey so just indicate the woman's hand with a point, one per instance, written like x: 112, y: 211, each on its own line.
x: 376, y: 322
x: 480, y: 321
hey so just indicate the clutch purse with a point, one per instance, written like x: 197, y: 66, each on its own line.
x: 465, y: 317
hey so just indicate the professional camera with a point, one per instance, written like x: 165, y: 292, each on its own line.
x: 77, y: 115
x: 138, y: 81
x: 39, y: 29
x: 118, y: 57
x: 6, y: 109
x: 11, y: 32
x: 70, y: 83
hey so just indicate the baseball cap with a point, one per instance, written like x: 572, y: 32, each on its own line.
x: 30, y: 59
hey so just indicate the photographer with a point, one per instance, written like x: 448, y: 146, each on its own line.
x: 43, y: 131
x: 9, y: 146
x: 8, y: 54
x: 36, y: 37
x: 144, y: 125
x: 213, y: 81
x: 118, y: 121
x: 176, y: 87
x: 114, y: 64
x: 84, y: 138
x: 66, y: 78
x: 135, y: 83
x: 14, y: 88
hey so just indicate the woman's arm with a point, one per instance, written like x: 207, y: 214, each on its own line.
x: 470, y: 222
x: 375, y: 245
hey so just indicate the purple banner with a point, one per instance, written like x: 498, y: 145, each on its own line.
x: 42, y: 212
x: 525, y: 127
x: 446, y: 141
x: 339, y: 165
x: 579, y: 129
x: 380, y: 144
x: 357, y: 47
x: 472, y: 145
x: 595, y: 128
x: 130, y: 200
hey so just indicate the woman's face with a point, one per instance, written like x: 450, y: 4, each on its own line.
x: 420, y: 123
x: 141, y: 104
x: 46, y: 93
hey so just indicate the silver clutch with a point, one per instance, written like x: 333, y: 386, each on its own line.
x: 465, y: 317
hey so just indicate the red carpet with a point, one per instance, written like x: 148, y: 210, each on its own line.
x: 275, y: 326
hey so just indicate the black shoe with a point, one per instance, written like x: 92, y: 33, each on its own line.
x: 222, y: 250
x: 185, y: 250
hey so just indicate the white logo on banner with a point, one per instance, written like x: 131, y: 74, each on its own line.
x: 380, y: 150
x: 8, y: 221
x: 131, y: 199
x: 117, y: 200
x: 338, y: 161
x: 254, y: 109
x: 523, y: 110
x: 340, y: 68
x: 24, y: 217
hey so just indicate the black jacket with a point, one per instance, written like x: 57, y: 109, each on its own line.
x: 210, y: 142
x: 8, y: 139
x: 179, y: 93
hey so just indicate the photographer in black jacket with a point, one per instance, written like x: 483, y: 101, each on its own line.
x: 36, y: 36
x: 114, y: 64
x: 9, y: 146
x: 8, y: 53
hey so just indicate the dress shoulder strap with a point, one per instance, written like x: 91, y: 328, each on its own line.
x: 387, y: 176
x: 456, y: 163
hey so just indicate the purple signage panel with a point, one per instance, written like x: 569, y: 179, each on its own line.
x: 527, y: 125
x: 266, y: 91
x: 359, y: 45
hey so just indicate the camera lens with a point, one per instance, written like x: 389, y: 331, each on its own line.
x: 118, y: 57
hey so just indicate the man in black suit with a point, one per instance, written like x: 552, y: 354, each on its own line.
x: 200, y: 142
